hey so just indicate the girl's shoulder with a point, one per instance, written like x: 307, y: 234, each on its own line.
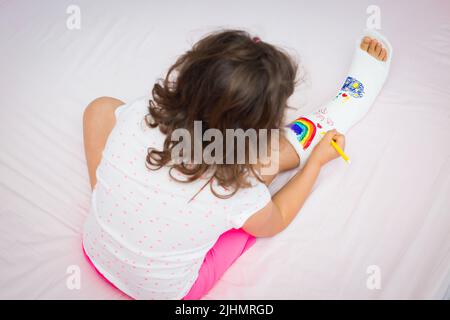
x: 134, y: 118
x: 137, y: 107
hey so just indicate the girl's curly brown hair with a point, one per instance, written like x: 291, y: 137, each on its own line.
x: 228, y: 80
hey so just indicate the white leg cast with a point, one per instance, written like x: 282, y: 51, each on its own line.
x: 365, y: 79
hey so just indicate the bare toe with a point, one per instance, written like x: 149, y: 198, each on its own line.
x: 365, y: 43
x: 372, y: 46
x: 378, y: 49
x: 382, y: 55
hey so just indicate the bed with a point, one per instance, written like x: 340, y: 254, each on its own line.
x: 376, y: 229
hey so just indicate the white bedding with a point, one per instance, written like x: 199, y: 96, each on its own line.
x: 390, y: 208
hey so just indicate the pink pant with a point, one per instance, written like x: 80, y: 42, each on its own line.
x: 228, y: 247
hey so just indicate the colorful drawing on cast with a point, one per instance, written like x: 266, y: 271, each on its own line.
x: 305, y: 130
x: 344, y: 96
x: 353, y: 88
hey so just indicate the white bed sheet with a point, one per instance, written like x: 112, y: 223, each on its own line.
x: 390, y: 208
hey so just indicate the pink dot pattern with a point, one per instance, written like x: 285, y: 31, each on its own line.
x: 142, y: 234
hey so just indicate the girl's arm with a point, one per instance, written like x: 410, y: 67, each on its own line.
x: 98, y: 121
x: 287, y: 202
x: 288, y: 159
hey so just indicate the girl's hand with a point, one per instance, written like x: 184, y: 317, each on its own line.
x: 324, y: 152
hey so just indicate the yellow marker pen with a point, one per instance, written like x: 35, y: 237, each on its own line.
x: 339, y: 150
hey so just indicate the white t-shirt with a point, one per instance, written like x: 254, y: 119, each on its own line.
x: 142, y: 233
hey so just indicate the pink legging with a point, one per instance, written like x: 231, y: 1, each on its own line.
x: 228, y: 247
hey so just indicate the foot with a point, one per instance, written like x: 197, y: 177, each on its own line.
x: 374, y: 48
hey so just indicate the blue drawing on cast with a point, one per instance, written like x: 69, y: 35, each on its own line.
x: 354, y: 87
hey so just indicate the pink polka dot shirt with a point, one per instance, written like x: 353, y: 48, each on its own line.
x: 142, y: 233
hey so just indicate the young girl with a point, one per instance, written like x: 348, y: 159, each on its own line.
x: 161, y: 229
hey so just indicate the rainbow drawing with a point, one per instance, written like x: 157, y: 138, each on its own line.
x: 305, y: 131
